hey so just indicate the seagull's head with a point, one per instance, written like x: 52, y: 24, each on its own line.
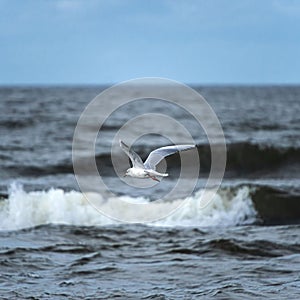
x: 128, y: 172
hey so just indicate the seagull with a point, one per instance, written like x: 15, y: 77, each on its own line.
x: 147, y: 169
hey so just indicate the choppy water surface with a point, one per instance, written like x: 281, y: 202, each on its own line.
x: 138, y: 262
x: 244, y: 245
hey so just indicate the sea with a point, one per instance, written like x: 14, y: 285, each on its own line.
x: 245, y: 244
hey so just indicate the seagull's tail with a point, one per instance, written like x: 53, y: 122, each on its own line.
x: 155, y: 173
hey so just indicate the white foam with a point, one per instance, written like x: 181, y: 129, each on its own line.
x: 229, y: 208
x: 27, y: 209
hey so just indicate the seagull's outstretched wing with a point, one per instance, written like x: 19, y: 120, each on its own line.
x: 134, y: 157
x: 159, y: 154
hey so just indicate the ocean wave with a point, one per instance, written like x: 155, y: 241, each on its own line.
x: 243, y: 159
x: 277, y: 205
x: 28, y: 209
x: 247, y: 157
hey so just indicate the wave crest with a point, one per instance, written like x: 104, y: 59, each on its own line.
x: 28, y: 209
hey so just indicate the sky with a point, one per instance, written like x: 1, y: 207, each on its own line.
x: 109, y: 41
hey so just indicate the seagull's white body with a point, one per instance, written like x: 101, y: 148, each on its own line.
x: 147, y: 169
x: 142, y: 173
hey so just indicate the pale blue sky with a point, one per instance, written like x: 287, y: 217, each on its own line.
x: 97, y: 41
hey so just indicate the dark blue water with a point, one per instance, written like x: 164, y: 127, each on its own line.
x: 55, y: 245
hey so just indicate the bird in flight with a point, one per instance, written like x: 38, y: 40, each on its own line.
x: 147, y: 169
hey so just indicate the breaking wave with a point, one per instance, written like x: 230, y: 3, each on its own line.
x: 28, y: 209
